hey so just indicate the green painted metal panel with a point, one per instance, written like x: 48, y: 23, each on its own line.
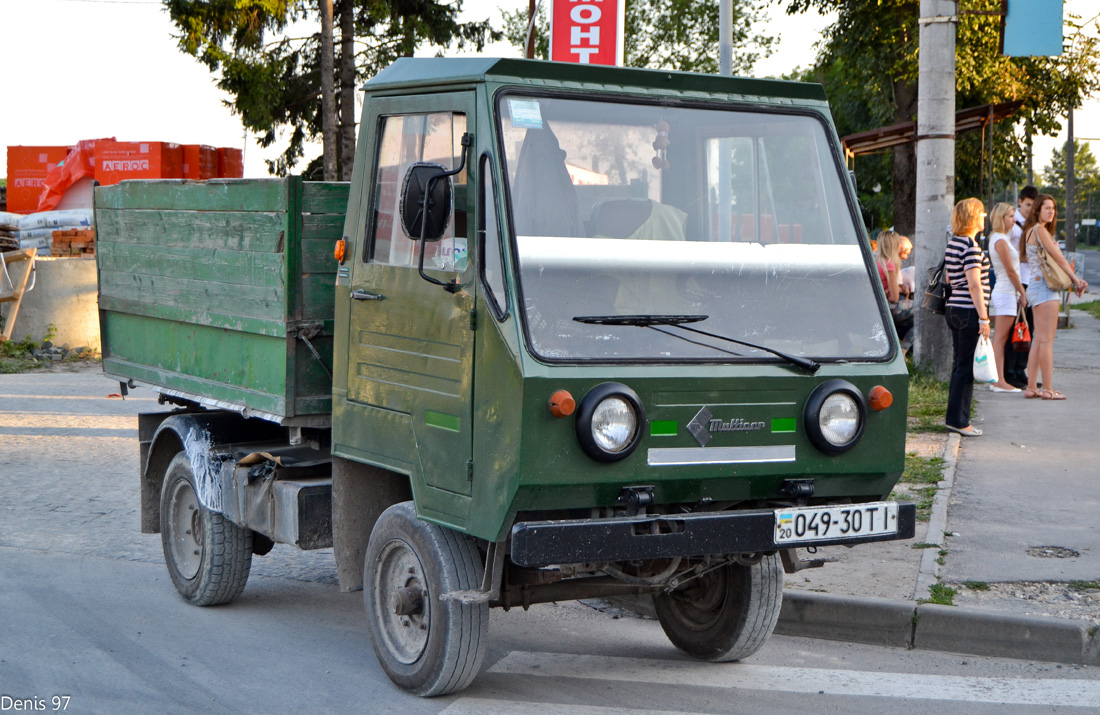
x: 452, y: 423
x: 328, y: 227
x: 317, y: 256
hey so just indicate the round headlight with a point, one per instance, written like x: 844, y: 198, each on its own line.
x: 839, y: 418
x: 609, y: 422
x: 613, y: 424
x: 835, y: 415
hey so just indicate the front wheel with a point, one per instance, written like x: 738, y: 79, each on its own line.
x: 426, y: 646
x: 208, y: 556
x: 726, y: 614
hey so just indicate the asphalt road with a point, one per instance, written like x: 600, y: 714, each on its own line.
x: 88, y: 613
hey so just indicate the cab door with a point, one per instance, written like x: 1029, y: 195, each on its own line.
x: 412, y: 342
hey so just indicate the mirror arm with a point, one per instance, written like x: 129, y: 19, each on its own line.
x: 452, y: 285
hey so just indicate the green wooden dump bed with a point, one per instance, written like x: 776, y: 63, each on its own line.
x: 221, y: 292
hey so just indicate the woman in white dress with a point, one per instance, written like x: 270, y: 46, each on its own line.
x: 1008, y: 297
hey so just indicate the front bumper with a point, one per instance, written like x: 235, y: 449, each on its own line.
x: 663, y: 536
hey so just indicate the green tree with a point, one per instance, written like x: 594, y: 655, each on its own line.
x: 869, y: 60
x: 275, y: 80
x: 670, y: 34
x: 1086, y: 176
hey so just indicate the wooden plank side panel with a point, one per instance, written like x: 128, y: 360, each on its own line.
x: 197, y: 296
x: 232, y: 366
x: 184, y: 195
x: 320, y: 197
x: 214, y: 319
x: 259, y: 231
x: 318, y: 257
x: 319, y: 297
x: 217, y: 265
x: 322, y: 226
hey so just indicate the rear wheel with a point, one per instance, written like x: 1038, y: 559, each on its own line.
x: 726, y: 614
x: 426, y: 646
x: 208, y: 556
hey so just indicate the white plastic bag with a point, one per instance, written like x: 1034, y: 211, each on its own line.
x: 985, y: 368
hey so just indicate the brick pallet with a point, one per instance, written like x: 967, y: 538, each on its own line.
x: 74, y: 243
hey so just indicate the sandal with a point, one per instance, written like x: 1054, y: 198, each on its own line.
x: 1031, y: 394
x: 1051, y: 395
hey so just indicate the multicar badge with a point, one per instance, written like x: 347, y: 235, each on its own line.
x: 703, y: 423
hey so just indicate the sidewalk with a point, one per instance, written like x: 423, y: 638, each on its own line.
x: 1018, y: 513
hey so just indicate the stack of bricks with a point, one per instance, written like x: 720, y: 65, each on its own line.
x: 74, y: 243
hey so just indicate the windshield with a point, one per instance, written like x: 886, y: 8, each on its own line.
x: 631, y: 209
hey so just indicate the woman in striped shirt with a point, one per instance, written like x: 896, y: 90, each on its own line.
x: 967, y: 313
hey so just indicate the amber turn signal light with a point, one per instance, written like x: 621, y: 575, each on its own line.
x: 562, y: 404
x: 338, y: 253
x: 880, y: 398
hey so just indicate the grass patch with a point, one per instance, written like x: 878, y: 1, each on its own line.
x: 922, y: 470
x: 941, y: 558
x: 941, y: 595
x: 927, y: 402
x: 924, y: 545
x: 1092, y: 307
x: 1084, y: 585
x: 16, y: 356
x: 924, y: 502
x: 977, y: 585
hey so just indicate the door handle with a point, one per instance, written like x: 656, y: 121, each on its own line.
x: 364, y: 295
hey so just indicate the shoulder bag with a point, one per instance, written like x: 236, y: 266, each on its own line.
x: 1055, y: 276
x: 938, y: 290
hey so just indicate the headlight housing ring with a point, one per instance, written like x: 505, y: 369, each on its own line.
x: 609, y: 422
x: 835, y: 415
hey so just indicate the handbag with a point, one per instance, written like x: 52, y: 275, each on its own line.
x: 985, y: 368
x: 1021, y: 334
x: 938, y: 290
x: 1055, y: 276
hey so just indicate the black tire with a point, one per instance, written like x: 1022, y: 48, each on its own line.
x: 208, y: 556
x: 436, y: 647
x: 727, y: 614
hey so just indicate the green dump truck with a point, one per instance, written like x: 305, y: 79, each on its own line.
x: 570, y: 332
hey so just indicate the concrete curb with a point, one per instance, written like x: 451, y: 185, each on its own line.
x: 925, y: 626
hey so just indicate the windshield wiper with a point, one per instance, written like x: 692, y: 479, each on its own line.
x: 640, y: 320
x: 678, y: 321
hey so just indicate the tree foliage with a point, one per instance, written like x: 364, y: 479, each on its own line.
x: 274, y: 80
x: 1086, y: 175
x: 669, y: 34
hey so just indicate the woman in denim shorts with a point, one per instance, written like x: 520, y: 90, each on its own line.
x: 1044, y: 301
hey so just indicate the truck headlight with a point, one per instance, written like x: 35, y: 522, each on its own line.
x: 609, y: 421
x: 835, y: 415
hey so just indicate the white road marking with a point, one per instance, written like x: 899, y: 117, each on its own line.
x: 484, y: 706
x: 951, y: 688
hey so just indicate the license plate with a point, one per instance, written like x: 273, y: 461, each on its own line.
x: 835, y: 523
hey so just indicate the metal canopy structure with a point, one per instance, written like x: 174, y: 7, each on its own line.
x: 966, y: 120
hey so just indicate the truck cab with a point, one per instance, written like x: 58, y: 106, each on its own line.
x: 596, y: 332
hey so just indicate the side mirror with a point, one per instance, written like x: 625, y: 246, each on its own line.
x: 426, y: 201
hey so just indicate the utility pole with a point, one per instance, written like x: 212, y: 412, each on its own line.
x: 1071, y: 210
x: 935, y: 166
x: 328, y: 93
x: 532, y: 18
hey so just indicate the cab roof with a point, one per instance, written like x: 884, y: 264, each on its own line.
x: 417, y: 72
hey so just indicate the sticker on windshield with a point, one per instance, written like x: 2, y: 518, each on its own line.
x: 526, y: 113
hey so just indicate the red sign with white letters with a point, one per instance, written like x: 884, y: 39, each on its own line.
x: 587, y: 31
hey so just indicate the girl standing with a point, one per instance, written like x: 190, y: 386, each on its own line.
x: 890, y: 250
x: 1008, y: 298
x: 1039, y: 227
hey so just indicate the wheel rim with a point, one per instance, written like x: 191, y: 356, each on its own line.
x: 701, y: 604
x: 399, y: 569
x: 185, y: 529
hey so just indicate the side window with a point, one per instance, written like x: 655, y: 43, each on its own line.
x: 405, y: 140
x: 492, y: 260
